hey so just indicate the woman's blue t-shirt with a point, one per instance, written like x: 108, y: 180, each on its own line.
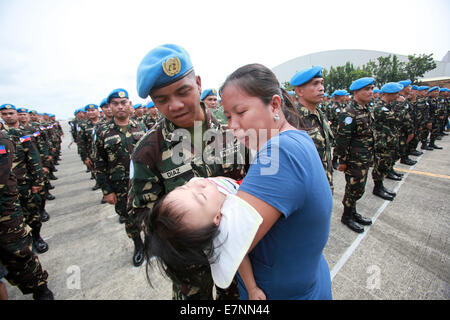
x: 288, y: 263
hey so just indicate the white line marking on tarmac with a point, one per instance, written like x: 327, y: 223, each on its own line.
x: 347, y: 254
x: 112, y: 216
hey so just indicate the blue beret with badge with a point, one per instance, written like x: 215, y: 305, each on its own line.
x: 305, y: 75
x: 22, y: 110
x: 151, y: 104
x: 117, y: 93
x: 421, y: 88
x: 161, y: 67
x: 341, y: 92
x: 433, y: 88
x: 361, y: 83
x: 391, y: 87
x: 414, y: 87
x: 90, y: 106
x: 7, y: 106
x: 208, y: 92
x: 405, y: 83
x: 104, y: 103
x: 138, y: 105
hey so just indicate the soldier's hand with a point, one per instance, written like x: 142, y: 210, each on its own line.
x: 36, y: 189
x: 88, y: 163
x: 410, y: 137
x: 111, y: 198
x: 342, y: 167
x: 45, y: 169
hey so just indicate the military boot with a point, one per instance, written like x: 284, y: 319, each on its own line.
x: 425, y: 146
x: 408, y: 161
x: 416, y: 153
x: 39, y: 244
x: 348, y: 219
x: 432, y: 145
x: 378, y: 191
x: 42, y: 293
x: 391, y: 175
x: 138, y: 256
x: 44, y: 216
x: 359, y: 218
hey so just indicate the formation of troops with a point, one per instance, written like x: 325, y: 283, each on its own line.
x: 30, y: 148
x: 127, y: 148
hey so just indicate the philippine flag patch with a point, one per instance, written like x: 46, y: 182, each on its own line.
x: 24, y: 139
x: 2, y: 149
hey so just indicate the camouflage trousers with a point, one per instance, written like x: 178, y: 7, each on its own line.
x: 403, y: 146
x: 384, y: 161
x: 434, y: 130
x: 412, y: 145
x: 30, y: 203
x: 356, y: 178
x: 16, y: 254
x: 132, y: 222
x: 191, y: 292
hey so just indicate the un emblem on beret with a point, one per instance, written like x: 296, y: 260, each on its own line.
x: 8, y: 106
x: 171, y: 66
x: 121, y: 94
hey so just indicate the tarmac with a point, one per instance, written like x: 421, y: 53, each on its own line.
x: 404, y: 255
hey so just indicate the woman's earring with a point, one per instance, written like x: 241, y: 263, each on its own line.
x: 276, y: 117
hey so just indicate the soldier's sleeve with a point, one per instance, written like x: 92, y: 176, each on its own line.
x: 100, y: 162
x: 33, y: 161
x: 343, y: 136
x: 82, y: 143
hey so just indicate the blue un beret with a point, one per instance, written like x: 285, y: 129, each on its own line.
x: 90, y: 106
x: 208, y: 92
x: 7, y: 106
x: 432, y: 89
x: 117, y: 93
x: 341, y: 93
x: 305, y: 75
x: 162, y: 66
x: 151, y: 104
x: 139, y: 105
x: 361, y: 83
x: 414, y: 87
x: 405, y: 83
x: 22, y: 110
x: 444, y: 90
x: 103, y: 103
x: 421, y: 88
x: 391, y: 87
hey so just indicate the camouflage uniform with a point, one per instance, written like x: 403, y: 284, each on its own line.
x: 355, y: 148
x: 433, y: 109
x: 387, y: 123
x: 403, y: 112
x: 156, y: 174
x: 218, y: 114
x: 149, y: 122
x: 112, y: 154
x: 29, y: 173
x: 423, y: 117
x: 444, y: 112
x: 318, y: 129
x: 24, y: 268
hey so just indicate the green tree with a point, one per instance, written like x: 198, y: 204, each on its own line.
x: 417, y: 66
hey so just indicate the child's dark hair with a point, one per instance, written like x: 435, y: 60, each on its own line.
x: 180, y: 253
x: 259, y: 81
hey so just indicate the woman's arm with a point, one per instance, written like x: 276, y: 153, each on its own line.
x: 269, y: 214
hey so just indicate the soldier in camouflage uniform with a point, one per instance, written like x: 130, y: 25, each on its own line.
x: 387, y: 123
x: 308, y: 84
x: 163, y: 160
x: 86, y: 135
x: 113, y: 145
x: 209, y: 97
x: 152, y: 116
x: 423, y: 116
x: 138, y: 113
x: 416, y: 117
x: 336, y: 108
x: 435, y: 115
x: 33, y: 129
x: 355, y: 150
x: 28, y: 170
x: 23, y: 266
x: 404, y: 108
x: 444, y: 112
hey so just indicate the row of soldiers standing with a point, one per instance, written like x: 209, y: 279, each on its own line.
x: 375, y: 127
x: 105, y: 144
x: 30, y: 147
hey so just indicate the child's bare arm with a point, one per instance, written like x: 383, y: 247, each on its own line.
x: 246, y: 272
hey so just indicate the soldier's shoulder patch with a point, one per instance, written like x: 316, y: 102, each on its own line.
x: 348, y: 120
x: 131, y: 170
x: 385, y: 109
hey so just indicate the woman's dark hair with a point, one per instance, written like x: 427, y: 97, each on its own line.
x: 259, y: 81
x: 180, y: 253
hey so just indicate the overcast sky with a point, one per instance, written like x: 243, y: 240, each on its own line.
x: 60, y: 55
